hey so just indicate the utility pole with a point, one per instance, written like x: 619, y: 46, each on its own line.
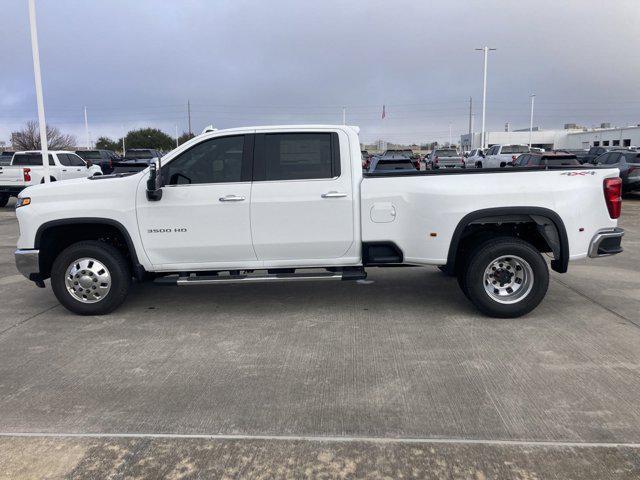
x: 470, y: 122
x: 38, y: 81
x: 470, y: 114
x: 450, y: 135
x: 124, y: 151
x: 473, y: 143
x: 344, y: 115
x: 86, y: 128
x: 177, y: 145
x: 533, y: 96
x: 486, y: 51
x: 189, y: 115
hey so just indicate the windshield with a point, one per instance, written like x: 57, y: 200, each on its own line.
x: 446, y: 153
x: 395, y: 165
x: 138, y: 155
x: 89, y: 154
x: 566, y: 160
x: 515, y: 149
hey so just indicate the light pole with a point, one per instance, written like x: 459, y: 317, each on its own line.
x: 86, y: 128
x: 486, y: 51
x: 344, y: 115
x: 533, y: 96
x: 38, y: 80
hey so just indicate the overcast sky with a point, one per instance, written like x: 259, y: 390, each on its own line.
x: 135, y: 63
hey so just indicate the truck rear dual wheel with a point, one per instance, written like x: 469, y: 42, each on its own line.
x: 505, y: 277
x: 90, y: 278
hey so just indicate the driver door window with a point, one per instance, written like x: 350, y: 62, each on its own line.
x: 219, y: 160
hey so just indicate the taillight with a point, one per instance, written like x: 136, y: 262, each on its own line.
x: 26, y: 174
x: 513, y: 157
x: 613, y: 196
x: 435, y: 160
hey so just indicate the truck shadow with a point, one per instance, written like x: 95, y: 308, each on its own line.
x: 392, y: 292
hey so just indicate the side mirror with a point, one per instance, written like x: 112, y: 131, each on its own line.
x: 89, y: 163
x: 154, y: 184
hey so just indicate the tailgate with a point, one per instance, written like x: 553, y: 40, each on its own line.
x: 11, y: 176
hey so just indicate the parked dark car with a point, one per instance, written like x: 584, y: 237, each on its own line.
x: 392, y: 163
x: 5, y: 157
x: 628, y: 161
x: 136, y: 159
x: 551, y: 159
x: 595, y: 152
x: 103, y: 158
x: 581, y: 154
x: 142, y: 154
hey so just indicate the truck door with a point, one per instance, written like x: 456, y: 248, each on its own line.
x: 202, y: 219
x: 302, y: 198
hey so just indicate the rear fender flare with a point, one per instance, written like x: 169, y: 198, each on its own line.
x: 548, y: 222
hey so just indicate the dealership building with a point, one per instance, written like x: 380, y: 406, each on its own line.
x: 570, y: 137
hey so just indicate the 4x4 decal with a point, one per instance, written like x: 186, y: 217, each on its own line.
x: 582, y: 174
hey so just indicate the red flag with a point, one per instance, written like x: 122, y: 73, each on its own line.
x: 384, y: 113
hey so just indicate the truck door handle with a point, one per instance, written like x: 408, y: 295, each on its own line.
x: 64, y: 169
x: 333, y: 195
x: 231, y: 198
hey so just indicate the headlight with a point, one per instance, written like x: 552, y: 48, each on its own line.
x: 23, y: 202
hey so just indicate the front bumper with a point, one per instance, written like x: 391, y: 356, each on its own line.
x: 28, y: 263
x: 606, y: 242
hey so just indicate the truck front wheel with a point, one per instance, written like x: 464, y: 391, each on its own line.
x: 90, y: 278
x: 506, y: 277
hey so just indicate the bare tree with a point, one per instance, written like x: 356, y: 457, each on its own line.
x: 29, y: 138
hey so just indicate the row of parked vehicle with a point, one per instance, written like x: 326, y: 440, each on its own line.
x: 627, y: 160
x: 19, y: 170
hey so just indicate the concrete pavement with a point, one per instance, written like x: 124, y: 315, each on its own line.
x: 405, y: 357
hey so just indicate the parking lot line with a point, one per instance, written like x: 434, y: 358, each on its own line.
x: 339, y: 439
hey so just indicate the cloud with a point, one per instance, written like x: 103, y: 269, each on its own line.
x: 250, y: 62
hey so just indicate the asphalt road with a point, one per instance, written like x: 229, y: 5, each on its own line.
x: 398, y: 377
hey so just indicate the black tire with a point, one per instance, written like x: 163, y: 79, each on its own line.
x: 479, y: 165
x: 4, y: 199
x: 481, y: 258
x: 112, y: 259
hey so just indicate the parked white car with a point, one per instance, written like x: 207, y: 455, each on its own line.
x: 26, y: 169
x: 291, y: 203
x: 502, y: 155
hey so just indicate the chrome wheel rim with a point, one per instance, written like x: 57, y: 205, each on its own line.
x: 88, y: 280
x: 508, y: 279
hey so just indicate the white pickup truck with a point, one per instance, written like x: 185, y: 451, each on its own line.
x: 502, y: 155
x: 291, y: 203
x: 26, y: 169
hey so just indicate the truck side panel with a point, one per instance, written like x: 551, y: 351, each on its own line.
x: 420, y: 213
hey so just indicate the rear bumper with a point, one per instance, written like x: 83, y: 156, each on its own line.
x: 606, y: 242
x: 28, y: 263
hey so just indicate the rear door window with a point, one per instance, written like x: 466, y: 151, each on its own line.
x: 297, y: 156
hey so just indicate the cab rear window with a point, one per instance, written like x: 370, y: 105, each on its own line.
x: 30, y: 159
